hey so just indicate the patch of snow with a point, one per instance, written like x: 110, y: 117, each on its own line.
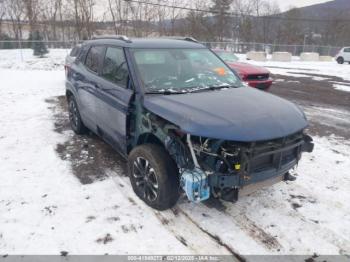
x: 305, y: 216
x: 23, y: 59
x: 300, y: 67
x: 342, y: 87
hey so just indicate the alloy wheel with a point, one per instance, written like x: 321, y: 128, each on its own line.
x: 73, y: 114
x: 145, y: 178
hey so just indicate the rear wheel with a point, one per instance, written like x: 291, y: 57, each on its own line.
x: 340, y: 60
x: 74, y: 117
x: 154, y: 177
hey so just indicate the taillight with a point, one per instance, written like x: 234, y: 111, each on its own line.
x: 66, y: 69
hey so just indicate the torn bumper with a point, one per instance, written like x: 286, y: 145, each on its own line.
x: 259, y: 170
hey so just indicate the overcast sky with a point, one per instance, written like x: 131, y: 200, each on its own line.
x: 286, y: 4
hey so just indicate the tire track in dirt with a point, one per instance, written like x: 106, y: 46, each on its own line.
x: 324, y: 233
x: 256, y: 232
x: 175, y: 220
x: 247, y: 225
x: 314, y: 228
x: 184, y: 229
x: 213, y: 236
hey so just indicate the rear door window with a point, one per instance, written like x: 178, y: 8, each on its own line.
x: 115, y: 68
x: 94, y: 57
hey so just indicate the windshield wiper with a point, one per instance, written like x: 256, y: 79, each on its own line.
x: 202, y: 89
x: 165, y: 92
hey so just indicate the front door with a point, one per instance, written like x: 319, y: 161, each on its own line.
x: 114, y: 95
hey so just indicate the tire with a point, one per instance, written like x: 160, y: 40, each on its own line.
x: 154, y: 176
x: 340, y: 60
x: 76, y: 123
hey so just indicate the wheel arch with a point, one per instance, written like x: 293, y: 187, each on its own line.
x: 69, y: 94
x: 149, y: 138
x: 340, y: 59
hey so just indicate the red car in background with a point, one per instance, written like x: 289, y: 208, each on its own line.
x: 254, y: 76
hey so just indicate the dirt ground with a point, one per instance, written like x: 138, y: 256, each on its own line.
x: 88, y: 155
x: 327, y: 109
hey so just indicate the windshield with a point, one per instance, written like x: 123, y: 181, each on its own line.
x: 182, y: 70
x: 227, y: 56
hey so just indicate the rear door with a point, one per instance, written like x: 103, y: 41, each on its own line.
x: 86, y: 79
x: 114, y: 95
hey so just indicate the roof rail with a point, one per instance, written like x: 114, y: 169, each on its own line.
x: 192, y: 39
x: 185, y: 38
x: 115, y: 37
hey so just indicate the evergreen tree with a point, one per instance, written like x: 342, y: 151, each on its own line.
x: 38, y: 45
x: 222, y: 21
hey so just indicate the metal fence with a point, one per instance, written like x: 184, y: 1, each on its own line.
x: 295, y: 50
x: 22, y: 50
x: 23, y: 47
x: 16, y: 44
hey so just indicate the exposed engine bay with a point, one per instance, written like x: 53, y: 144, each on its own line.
x: 222, y: 168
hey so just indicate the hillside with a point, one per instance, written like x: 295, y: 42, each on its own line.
x: 325, y: 10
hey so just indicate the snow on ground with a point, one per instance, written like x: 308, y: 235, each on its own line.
x: 46, y: 210
x: 342, y: 87
x: 24, y: 59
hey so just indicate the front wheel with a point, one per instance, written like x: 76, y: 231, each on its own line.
x: 340, y: 60
x: 154, y: 176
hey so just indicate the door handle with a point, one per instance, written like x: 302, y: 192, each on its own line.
x: 96, y: 86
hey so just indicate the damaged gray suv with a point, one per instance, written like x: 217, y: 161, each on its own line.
x: 182, y: 119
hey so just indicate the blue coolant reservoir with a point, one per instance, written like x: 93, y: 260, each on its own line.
x: 195, y: 184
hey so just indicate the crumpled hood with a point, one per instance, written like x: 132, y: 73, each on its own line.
x: 237, y: 114
x: 244, y: 68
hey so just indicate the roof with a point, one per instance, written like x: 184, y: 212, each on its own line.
x: 148, y: 43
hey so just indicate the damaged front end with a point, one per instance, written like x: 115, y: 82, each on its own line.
x: 227, y: 169
x: 221, y: 168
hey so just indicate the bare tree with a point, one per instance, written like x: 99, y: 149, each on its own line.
x: 141, y: 18
x: 32, y: 9
x: 161, y: 14
x: 15, y: 12
x: 118, y: 12
x: 265, y: 21
x: 2, y: 14
x: 175, y: 14
x: 244, y: 24
x: 87, y: 17
x: 198, y: 24
x: 50, y: 9
x: 77, y: 19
